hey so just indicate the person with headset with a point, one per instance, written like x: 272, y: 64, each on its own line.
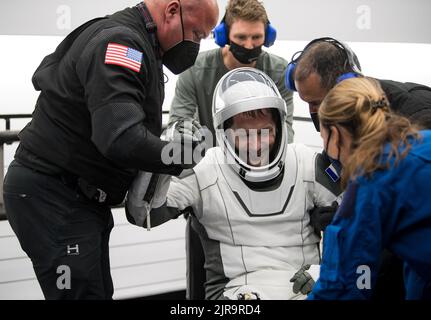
x: 324, y: 62
x: 250, y: 195
x: 244, y: 29
x: 386, y: 170
x: 312, y: 72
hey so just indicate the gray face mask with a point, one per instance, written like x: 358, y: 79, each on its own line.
x: 183, y: 55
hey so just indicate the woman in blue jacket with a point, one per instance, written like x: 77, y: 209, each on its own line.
x: 386, y: 173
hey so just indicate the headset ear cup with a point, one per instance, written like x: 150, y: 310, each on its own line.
x: 289, y: 80
x: 270, y: 35
x: 221, y: 35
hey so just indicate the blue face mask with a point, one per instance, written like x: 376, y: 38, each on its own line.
x: 335, y: 169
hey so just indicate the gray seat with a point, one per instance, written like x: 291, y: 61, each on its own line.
x: 195, y: 260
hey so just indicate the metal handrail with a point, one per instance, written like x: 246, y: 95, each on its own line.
x: 8, y: 137
x: 8, y: 117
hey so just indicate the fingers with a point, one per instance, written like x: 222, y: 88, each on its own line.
x: 297, y: 274
x: 308, y: 287
x: 189, y: 128
x: 295, y: 277
x: 302, y: 281
x: 297, y: 282
x: 300, y: 272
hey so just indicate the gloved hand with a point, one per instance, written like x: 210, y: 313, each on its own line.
x: 187, y: 145
x: 248, y: 296
x: 148, y: 191
x: 302, y: 281
x: 321, y: 217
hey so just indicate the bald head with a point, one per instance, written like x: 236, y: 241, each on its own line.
x: 203, y: 12
x: 196, y: 17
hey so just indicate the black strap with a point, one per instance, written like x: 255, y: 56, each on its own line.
x: 150, y: 25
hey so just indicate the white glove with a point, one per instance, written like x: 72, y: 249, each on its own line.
x: 187, y: 143
x: 148, y: 191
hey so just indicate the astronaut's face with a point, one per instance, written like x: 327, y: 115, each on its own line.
x: 254, y: 134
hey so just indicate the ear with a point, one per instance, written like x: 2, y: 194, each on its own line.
x: 172, y: 8
x: 335, y: 135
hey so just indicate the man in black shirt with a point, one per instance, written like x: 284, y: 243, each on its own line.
x: 97, y: 121
x: 326, y: 61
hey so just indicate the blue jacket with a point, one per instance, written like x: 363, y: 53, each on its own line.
x: 391, y: 209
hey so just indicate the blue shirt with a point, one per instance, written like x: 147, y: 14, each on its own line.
x: 390, y: 209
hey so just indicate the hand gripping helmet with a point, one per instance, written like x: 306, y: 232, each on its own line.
x: 242, y: 90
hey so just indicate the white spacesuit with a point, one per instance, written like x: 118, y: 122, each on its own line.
x: 252, y: 220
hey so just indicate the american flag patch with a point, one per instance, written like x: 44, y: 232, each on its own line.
x: 123, y: 56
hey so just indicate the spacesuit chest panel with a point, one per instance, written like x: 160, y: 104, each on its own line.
x: 236, y: 215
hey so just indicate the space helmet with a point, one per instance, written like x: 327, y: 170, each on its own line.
x: 245, y: 90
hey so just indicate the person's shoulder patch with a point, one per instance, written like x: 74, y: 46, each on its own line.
x: 120, y: 55
x: 322, y: 164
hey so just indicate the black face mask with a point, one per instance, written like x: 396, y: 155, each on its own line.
x: 183, y: 55
x: 244, y: 55
x: 315, y: 118
x: 335, y: 169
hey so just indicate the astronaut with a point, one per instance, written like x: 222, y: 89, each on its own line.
x: 250, y: 195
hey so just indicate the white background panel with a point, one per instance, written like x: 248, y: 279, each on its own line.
x: 153, y: 262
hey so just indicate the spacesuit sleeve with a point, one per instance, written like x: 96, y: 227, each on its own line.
x: 115, y: 94
x: 184, y: 192
x: 154, y: 199
x: 351, y: 247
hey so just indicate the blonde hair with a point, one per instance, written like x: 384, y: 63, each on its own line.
x: 362, y: 108
x: 247, y: 10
